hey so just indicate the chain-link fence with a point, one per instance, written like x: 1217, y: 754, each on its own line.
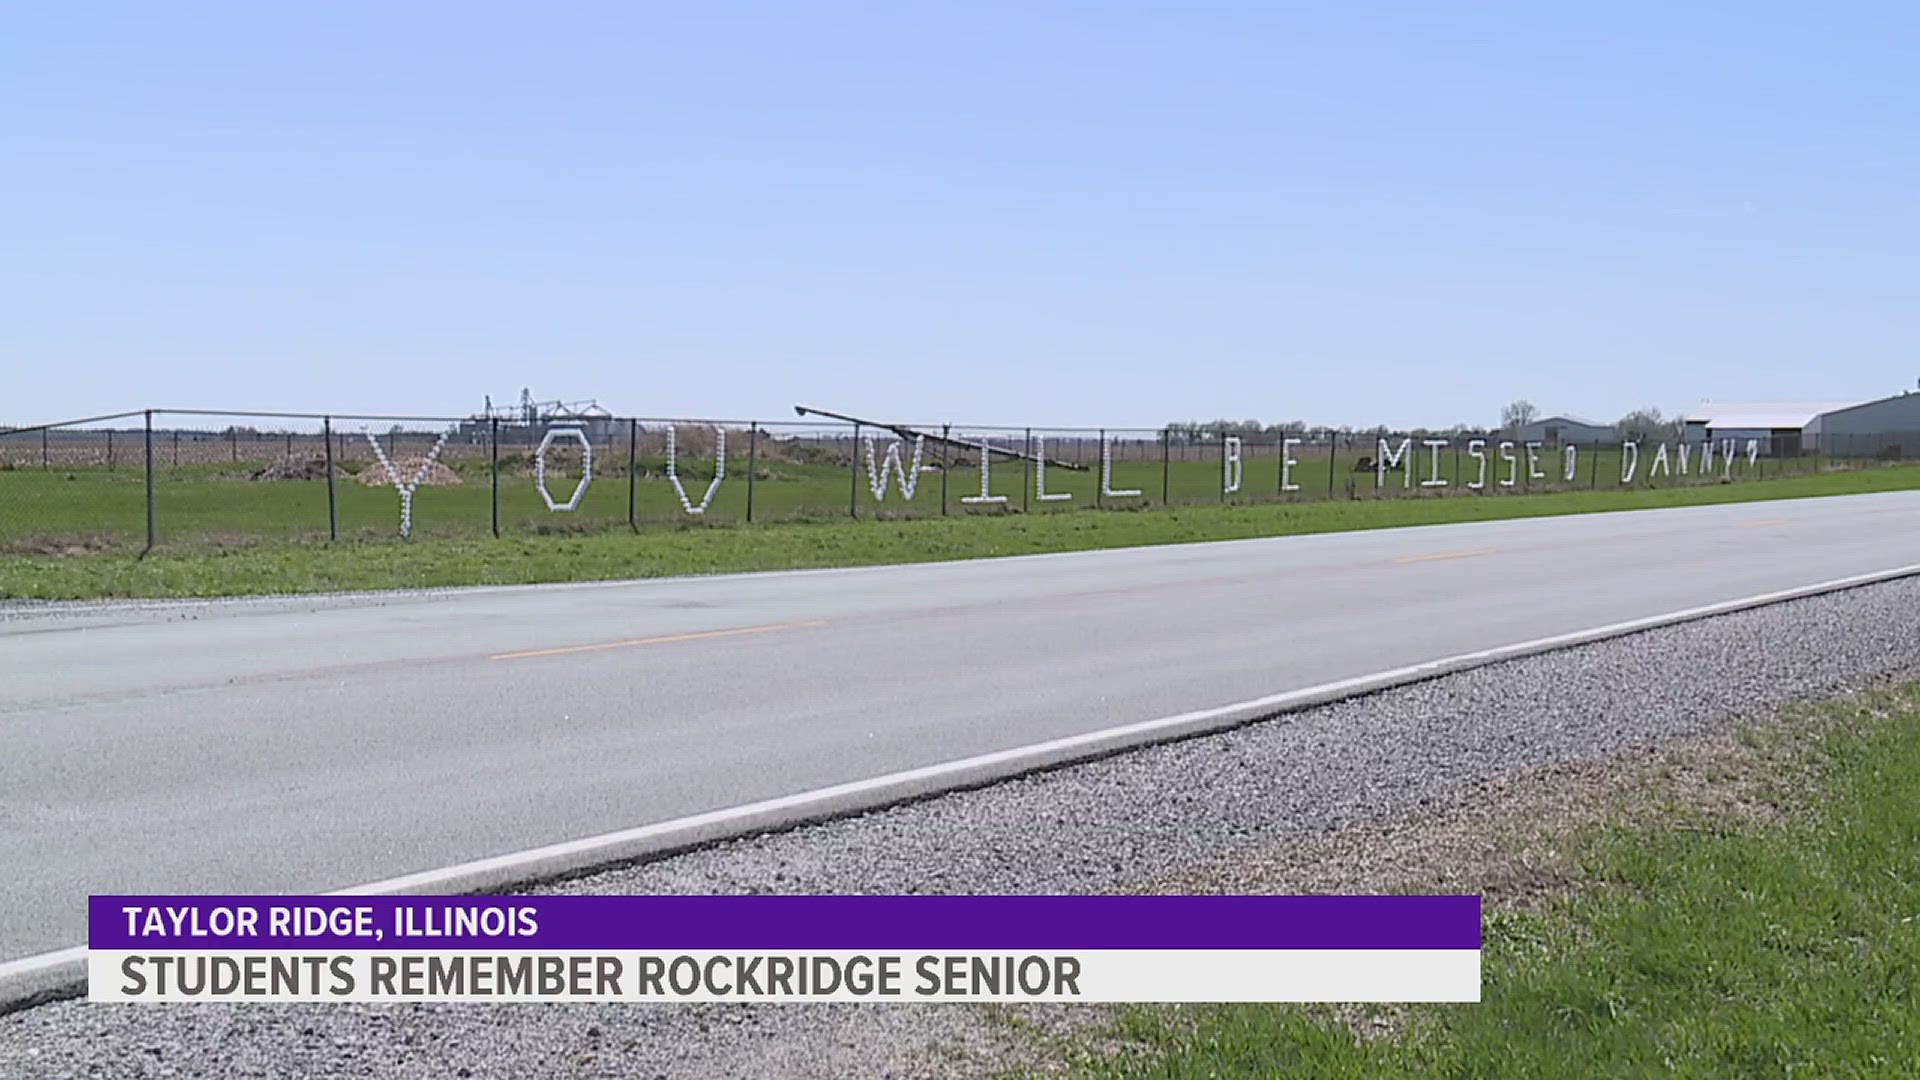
x: 136, y: 479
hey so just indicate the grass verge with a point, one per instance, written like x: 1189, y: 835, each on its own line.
x: 293, y: 566
x: 1699, y: 942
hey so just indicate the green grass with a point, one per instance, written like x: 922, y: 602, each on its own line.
x: 255, y: 564
x: 1711, y: 947
x: 53, y: 509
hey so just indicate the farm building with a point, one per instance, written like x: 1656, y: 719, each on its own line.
x: 596, y: 422
x: 1782, y: 427
x: 1888, y: 428
x: 1560, y: 430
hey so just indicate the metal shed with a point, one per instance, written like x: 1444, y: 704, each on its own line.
x: 1560, y: 430
x: 1888, y: 428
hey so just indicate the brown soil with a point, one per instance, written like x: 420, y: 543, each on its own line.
x: 311, y: 467
x: 64, y: 546
x: 1507, y: 837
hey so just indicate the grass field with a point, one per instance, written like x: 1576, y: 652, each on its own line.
x: 257, y: 564
x: 55, y: 509
x: 1714, y: 945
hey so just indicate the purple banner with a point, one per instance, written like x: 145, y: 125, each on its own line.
x: 771, y: 923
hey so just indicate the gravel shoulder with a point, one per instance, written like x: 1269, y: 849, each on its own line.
x: 1424, y: 783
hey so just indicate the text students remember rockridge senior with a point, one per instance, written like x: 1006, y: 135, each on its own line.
x: 607, y: 976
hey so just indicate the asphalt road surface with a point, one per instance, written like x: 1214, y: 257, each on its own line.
x: 311, y: 744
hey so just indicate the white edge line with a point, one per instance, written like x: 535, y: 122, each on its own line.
x: 47, y: 976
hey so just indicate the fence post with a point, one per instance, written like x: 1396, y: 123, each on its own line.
x: 150, y: 521
x: 1223, y: 466
x: 233, y: 443
x: 753, y: 464
x: 493, y: 458
x: 633, y: 479
x: 333, y: 505
x: 946, y: 463
x: 1166, y: 466
x: 46, y: 461
x: 853, y: 476
x: 1026, y: 477
x: 1594, y: 472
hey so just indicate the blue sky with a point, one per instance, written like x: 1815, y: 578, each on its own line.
x: 1035, y: 213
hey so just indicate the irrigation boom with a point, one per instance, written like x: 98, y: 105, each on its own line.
x: 914, y: 433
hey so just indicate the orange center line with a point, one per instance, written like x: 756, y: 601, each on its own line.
x: 1444, y: 555
x: 668, y: 639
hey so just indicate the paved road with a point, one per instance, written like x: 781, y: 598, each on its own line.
x: 310, y: 744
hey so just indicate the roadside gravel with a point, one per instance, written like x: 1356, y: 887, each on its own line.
x: 1198, y: 813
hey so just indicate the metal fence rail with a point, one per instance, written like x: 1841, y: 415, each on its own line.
x: 137, y: 479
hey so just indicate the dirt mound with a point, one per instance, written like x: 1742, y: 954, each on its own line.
x: 296, y: 468
x: 55, y: 545
x: 439, y: 475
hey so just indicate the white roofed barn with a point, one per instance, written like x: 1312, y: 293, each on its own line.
x: 1782, y: 427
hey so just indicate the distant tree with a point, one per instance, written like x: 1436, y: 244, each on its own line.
x: 1235, y: 427
x: 1647, y: 425
x: 1518, y: 414
x: 1192, y: 431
